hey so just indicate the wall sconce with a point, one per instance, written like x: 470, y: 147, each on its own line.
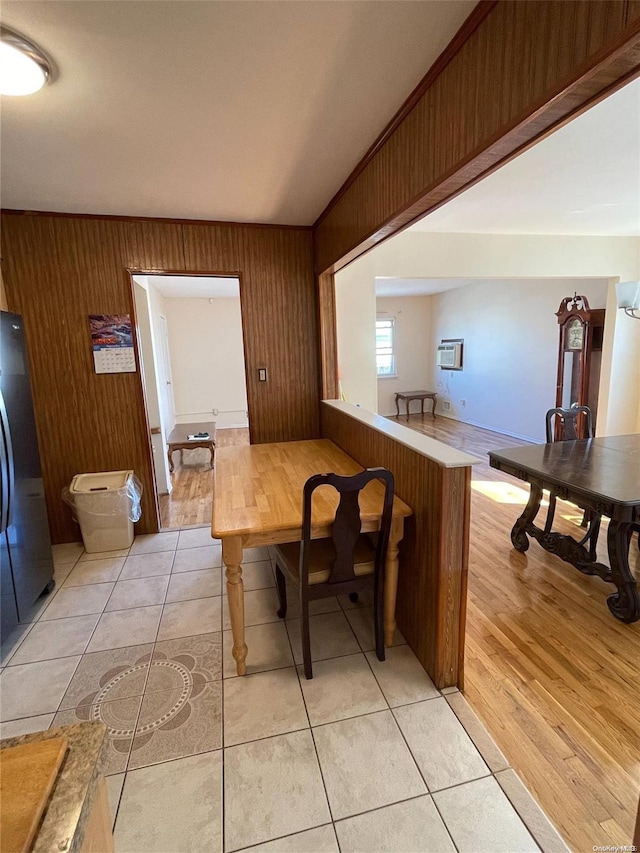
x: 628, y: 298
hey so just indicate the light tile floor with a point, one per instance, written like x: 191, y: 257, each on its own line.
x: 367, y: 756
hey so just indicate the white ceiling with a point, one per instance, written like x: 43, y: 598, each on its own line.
x: 583, y: 179
x: 187, y: 286
x: 387, y: 286
x: 245, y: 111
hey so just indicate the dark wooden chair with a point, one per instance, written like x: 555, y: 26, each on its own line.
x: 569, y: 425
x: 342, y: 564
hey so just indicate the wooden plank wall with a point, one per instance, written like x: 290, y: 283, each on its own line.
x: 517, y: 69
x: 432, y: 585
x: 59, y: 269
x: 328, y: 337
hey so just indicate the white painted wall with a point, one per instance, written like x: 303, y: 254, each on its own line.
x: 637, y: 276
x: 414, y: 350
x: 510, y: 334
x: 207, y: 360
x: 356, y: 334
x: 495, y: 256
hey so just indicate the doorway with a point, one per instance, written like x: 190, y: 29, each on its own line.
x: 193, y: 373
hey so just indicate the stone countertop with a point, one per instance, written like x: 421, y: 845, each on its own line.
x: 63, y: 825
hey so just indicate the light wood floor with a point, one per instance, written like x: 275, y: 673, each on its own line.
x: 190, y: 501
x: 551, y: 673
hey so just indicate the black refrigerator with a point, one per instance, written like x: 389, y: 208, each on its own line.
x: 26, y: 562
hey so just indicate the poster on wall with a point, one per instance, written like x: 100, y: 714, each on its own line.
x: 112, y: 343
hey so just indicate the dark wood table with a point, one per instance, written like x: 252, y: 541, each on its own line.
x: 598, y: 474
x: 408, y: 396
x: 178, y: 440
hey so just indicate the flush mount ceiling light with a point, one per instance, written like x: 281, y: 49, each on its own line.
x: 24, y: 69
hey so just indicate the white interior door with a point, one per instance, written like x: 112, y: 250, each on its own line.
x: 150, y: 379
x: 169, y: 405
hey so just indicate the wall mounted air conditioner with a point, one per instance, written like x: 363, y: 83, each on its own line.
x: 449, y: 356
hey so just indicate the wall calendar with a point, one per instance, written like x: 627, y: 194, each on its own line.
x: 112, y: 343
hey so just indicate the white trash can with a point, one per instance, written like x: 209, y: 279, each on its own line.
x: 105, y: 506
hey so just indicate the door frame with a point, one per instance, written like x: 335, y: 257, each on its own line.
x: 131, y: 271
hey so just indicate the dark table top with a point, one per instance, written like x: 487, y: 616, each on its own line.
x: 180, y: 432
x: 607, y: 467
x: 415, y: 393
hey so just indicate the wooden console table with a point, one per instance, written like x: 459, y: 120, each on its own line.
x: 408, y: 396
x: 178, y: 440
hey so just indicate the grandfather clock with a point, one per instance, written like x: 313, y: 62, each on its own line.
x: 579, y: 355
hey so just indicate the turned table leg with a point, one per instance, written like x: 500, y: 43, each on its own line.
x: 170, y: 458
x: 232, y: 558
x: 519, y: 538
x: 391, y: 579
x: 397, y: 406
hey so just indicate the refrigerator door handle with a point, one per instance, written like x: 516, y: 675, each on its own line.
x: 7, y: 472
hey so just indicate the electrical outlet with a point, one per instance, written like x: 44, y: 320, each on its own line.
x: 262, y: 374
x: 463, y: 402
x: 214, y: 411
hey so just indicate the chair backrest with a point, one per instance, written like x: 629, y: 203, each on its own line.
x: 571, y: 428
x: 347, y: 524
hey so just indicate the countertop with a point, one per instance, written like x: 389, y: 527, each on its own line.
x: 63, y: 825
x: 442, y: 454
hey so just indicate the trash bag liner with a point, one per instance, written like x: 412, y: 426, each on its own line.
x: 112, y: 493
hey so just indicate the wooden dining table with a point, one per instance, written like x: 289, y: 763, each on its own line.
x: 601, y: 475
x: 257, y: 501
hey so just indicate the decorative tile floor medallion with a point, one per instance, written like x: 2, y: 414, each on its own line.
x: 113, y: 683
x: 172, y: 708
x: 177, y: 674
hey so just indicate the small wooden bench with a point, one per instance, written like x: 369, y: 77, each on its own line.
x: 408, y: 396
x: 179, y: 440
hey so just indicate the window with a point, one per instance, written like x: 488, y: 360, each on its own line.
x: 386, y: 346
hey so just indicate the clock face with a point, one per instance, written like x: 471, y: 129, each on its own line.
x: 575, y: 335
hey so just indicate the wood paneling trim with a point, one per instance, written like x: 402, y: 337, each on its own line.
x: 154, y: 219
x: 277, y: 294
x: 155, y: 246
x: 478, y: 14
x: 432, y: 585
x: 59, y: 269
x: 328, y: 336
x: 525, y: 69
